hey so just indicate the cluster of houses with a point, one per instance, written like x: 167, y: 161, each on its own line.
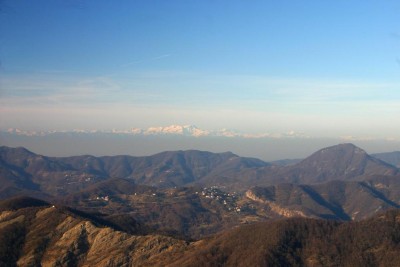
x: 227, y: 199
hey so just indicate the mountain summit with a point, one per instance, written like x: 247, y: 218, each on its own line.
x: 187, y: 130
x: 21, y: 169
x: 339, y: 162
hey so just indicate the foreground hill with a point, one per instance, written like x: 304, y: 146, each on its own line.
x: 303, y: 242
x: 46, y: 235
x: 185, y: 212
x: 198, y: 212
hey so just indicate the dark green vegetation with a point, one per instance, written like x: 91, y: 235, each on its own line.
x: 304, y: 242
x: 233, y: 206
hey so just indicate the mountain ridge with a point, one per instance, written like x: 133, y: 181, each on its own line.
x: 344, y: 161
x: 184, y: 168
x: 194, y: 193
x: 174, y: 129
x: 50, y: 235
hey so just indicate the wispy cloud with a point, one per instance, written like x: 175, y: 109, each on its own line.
x: 202, y: 90
x: 61, y: 90
x: 165, y: 97
x: 135, y: 62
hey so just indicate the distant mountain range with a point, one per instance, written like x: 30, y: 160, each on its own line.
x: 24, y: 169
x: 176, y: 130
x: 58, y: 176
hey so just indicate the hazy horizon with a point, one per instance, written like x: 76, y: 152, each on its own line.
x: 326, y: 70
x: 267, y: 149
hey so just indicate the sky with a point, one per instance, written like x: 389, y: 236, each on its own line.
x: 322, y: 68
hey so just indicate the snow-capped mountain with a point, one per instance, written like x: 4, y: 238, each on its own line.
x: 179, y: 130
x: 187, y: 130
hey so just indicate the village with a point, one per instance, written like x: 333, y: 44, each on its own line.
x: 229, y: 200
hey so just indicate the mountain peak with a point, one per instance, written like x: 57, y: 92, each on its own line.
x: 188, y: 130
x: 15, y: 151
x: 340, y: 162
x: 344, y: 154
x: 342, y: 149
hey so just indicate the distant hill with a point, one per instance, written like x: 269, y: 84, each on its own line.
x: 24, y: 171
x: 166, y: 169
x: 339, y: 200
x: 341, y: 162
x: 392, y: 158
x: 285, y: 162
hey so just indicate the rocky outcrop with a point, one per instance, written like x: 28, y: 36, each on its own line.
x: 285, y: 212
x: 52, y: 237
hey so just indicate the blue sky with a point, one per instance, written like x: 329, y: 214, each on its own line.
x: 324, y: 68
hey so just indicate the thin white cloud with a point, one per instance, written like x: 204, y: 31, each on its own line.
x: 179, y: 88
x: 161, y: 56
x: 135, y: 62
x: 251, y: 102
